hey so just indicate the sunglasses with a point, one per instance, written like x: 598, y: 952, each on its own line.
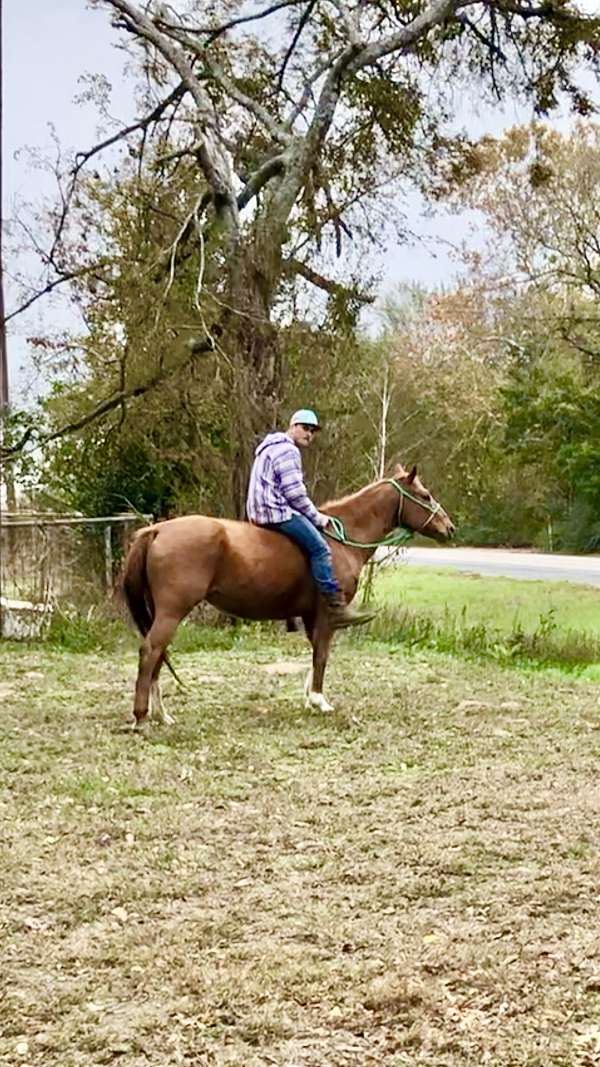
x: 309, y: 429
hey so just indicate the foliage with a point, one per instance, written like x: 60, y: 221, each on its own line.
x: 172, y: 454
x: 533, y: 329
x: 71, y: 630
x: 446, y: 414
x: 100, y: 476
x: 456, y: 635
x: 553, y: 428
x: 537, y: 190
x: 258, y: 160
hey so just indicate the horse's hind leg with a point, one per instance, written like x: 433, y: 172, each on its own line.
x: 151, y: 657
x: 157, y: 708
x: 320, y: 636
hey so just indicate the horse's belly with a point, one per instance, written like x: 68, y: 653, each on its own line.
x: 249, y: 609
x: 249, y: 602
x: 269, y: 586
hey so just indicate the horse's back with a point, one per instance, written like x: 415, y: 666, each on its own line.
x: 199, y: 532
x: 240, y: 568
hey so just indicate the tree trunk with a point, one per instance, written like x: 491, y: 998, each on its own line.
x: 257, y: 369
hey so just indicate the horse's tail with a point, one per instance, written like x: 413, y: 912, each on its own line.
x: 136, y: 588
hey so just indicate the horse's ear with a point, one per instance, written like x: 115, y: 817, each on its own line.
x: 412, y: 475
x: 399, y: 471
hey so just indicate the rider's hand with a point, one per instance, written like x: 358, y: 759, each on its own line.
x: 325, y: 520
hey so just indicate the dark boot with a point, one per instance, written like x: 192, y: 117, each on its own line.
x: 341, y: 615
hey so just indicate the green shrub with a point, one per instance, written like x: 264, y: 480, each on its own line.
x: 544, y: 645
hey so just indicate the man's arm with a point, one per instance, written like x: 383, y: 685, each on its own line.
x: 289, y: 471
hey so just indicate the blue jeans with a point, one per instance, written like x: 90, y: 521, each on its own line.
x: 314, y: 545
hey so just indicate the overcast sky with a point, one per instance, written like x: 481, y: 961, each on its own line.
x: 48, y: 45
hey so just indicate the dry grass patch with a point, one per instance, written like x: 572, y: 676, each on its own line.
x: 412, y: 880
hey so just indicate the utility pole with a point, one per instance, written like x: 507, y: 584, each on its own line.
x: 3, y: 355
x: 3, y: 358
x: 6, y: 475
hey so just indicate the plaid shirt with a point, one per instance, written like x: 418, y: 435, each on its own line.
x: 277, y: 487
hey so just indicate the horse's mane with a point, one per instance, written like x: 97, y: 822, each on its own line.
x: 351, y: 498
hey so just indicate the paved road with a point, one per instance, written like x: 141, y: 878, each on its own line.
x: 510, y: 563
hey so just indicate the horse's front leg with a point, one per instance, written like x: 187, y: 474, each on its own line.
x: 321, y: 642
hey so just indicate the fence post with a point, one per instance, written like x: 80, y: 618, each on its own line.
x: 108, y: 559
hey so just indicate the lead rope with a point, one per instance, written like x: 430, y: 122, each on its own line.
x: 391, y: 540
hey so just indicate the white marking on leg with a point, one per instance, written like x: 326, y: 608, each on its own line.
x: 313, y: 699
x: 308, y: 681
x: 157, y: 706
x: 317, y: 700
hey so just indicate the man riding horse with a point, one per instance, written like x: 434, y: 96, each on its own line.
x: 244, y: 569
x: 277, y: 499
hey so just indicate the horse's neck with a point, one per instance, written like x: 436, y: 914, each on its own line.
x: 370, y: 515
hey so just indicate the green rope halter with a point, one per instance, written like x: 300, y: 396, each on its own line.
x: 337, y: 532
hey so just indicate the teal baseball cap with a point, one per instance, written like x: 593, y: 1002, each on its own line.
x: 306, y: 417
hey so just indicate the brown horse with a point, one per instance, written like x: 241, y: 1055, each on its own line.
x: 257, y: 574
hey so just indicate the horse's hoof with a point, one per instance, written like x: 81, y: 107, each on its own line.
x: 318, y: 701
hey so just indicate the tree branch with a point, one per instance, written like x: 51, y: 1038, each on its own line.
x: 531, y: 11
x: 296, y: 266
x: 214, y: 161
x: 68, y: 277
x: 404, y: 39
x: 290, y: 51
x: 213, y: 32
x: 307, y: 91
x: 351, y: 22
x: 259, y: 179
x: 354, y: 58
x: 82, y: 158
x: 105, y: 406
x: 277, y: 131
x: 489, y: 44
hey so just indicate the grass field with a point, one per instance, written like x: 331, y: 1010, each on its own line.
x: 523, y: 622
x: 498, y: 602
x: 508, y: 621
x: 409, y: 881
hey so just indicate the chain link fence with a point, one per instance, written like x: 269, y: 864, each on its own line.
x: 47, y: 560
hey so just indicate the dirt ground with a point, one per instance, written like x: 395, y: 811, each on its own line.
x: 413, y: 879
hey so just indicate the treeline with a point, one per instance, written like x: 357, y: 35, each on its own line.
x: 491, y: 385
